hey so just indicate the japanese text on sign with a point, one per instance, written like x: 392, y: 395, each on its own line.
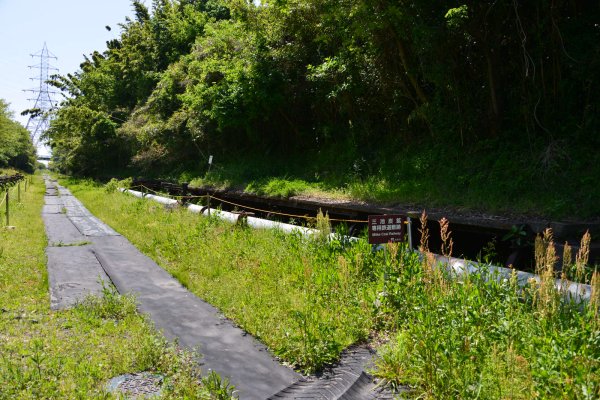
x: 386, y: 228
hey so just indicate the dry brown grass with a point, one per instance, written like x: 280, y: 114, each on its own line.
x: 582, y: 257
x: 445, y: 233
x: 424, y: 243
x: 595, y: 296
x: 546, y: 296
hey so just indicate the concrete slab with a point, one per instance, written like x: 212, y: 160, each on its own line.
x: 73, y: 273
x: 80, y: 217
x: 53, y: 200
x: 225, y: 348
x: 89, y: 225
x: 52, y: 209
x: 60, y: 230
x: 74, y: 207
x: 64, y: 191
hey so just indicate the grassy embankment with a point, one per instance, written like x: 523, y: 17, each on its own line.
x: 308, y: 299
x: 70, y: 354
x: 493, y: 177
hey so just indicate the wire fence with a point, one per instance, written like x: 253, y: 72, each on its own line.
x: 6, y: 183
x: 184, y: 198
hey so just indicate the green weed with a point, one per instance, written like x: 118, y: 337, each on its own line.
x: 72, y: 354
x: 220, y: 389
x: 479, y: 337
x: 114, y: 184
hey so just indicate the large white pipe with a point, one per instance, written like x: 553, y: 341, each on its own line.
x: 158, y: 199
x: 573, y: 291
x: 254, y: 222
x: 227, y: 216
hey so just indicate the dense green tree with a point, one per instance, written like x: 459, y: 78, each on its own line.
x: 16, y: 147
x: 300, y: 76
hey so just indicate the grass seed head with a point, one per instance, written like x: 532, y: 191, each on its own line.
x: 595, y: 296
x: 582, y: 257
x: 567, y: 260
x: 445, y: 233
x: 323, y: 225
x: 540, y: 253
x: 547, y: 293
x: 424, y: 245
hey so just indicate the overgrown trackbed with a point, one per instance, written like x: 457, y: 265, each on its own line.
x: 83, y: 252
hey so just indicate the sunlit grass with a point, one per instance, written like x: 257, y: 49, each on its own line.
x: 70, y: 354
x: 304, y: 302
x: 449, y: 337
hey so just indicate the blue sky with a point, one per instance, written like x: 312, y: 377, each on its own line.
x: 70, y: 29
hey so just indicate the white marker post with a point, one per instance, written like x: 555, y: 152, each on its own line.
x: 210, y: 160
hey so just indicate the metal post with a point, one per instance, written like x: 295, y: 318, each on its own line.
x: 184, y: 191
x: 409, y: 228
x: 208, y: 204
x: 19, y: 192
x: 7, y: 208
x: 385, y: 269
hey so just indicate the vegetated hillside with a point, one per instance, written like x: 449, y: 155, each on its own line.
x: 16, y: 148
x: 488, y: 104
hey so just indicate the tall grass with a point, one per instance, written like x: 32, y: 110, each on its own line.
x: 450, y: 336
x: 306, y: 299
x: 477, y: 336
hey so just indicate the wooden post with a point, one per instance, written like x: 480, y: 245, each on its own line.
x: 7, y: 208
x: 409, y: 231
x: 19, y: 192
x: 184, y: 192
x: 385, y: 269
x: 208, y: 204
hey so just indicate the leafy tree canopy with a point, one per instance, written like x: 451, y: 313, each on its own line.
x: 231, y: 77
x: 16, y: 148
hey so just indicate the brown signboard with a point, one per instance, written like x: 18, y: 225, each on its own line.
x: 386, y: 228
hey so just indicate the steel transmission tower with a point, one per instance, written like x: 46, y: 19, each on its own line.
x: 39, y: 118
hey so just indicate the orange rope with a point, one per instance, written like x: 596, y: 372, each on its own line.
x: 284, y: 214
x: 14, y: 188
x: 170, y: 195
x: 251, y: 208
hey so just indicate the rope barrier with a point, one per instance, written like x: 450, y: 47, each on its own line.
x: 283, y: 214
x: 171, y: 195
x: 11, y: 190
x: 250, y: 208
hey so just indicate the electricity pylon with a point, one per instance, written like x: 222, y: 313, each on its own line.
x: 39, y: 117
